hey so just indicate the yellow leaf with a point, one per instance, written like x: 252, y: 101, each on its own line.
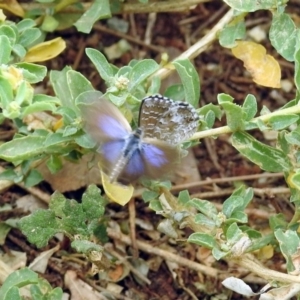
x: 263, y: 67
x: 116, y: 192
x: 12, y: 6
x: 266, y: 252
x: 45, y: 51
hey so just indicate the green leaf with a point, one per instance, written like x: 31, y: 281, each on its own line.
x: 204, y: 206
x: 8, y: 31
x: 234, y: 113
x: 283, y: 143
x: 233, y: 31
x: 297, y: 69
x: 140, y: 72
x: 233, y: 233
x: 250, y: 107
x: 100, y: 62
x: 266, y: 157
x: 6, y: 92
x: 175, y: 92
x: 183, y: 197
x: 32, y: 73
x: 232, y: 204
x: 211, y: 107
x: 283, y: 35
x: 262, y: 242
x: 33, y: 178
x: 190, y: 80
x: 69, y: 114
x: 43, y: 290
x: 85, y: 141
x: 218, y: 254
x: 155, y: 85
x: 75, y: 221
x: 14, y: 281
x: 93, y: 203
x: 238, y: 217
x: 5, y: 49
x: 49, y: 23
x: 39, y: 227
x: 278, y: 221
x: 149, y: 195
x: 54, y: 164
x: 202, y: 239
x: 295, y: 179
x: 13, y: 294
x: 54, y: 141
x: 24, y: 94
x: 280, y: 122
x: 260, y: 124
x: 85, y: 246
x: 100, y: 9
x: 289, y: 243
x: 29, y: 37
x: 209, y: 119
x: 22, y: 148
x: 60, y: 85
x: 70, y: 130
x: 155, y: 205
x: 204, y: 221
x: 250, y: 5
x: 88, y: 97
x: 8, y: 174
x: 19, y: 50
x: 78, y: 84
x: 25, y: 24
x: 57, y: 204
x: 41, y: 103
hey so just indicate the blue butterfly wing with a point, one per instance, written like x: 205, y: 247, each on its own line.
x: 104, y: 122
x: 110, y: 152
x: 108, y: 128
x: 159, y: 158
x: 134, y: 169
x: 154, y: 159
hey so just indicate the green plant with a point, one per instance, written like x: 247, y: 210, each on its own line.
x: 31, y: 284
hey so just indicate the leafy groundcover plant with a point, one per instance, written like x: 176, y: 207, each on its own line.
x: 225, y: 232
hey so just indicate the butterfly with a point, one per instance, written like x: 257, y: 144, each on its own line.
x: 151, y: 150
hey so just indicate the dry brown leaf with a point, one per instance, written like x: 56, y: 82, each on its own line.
x: 79, y: 289
x: 73, y: 176
x: 15, y: 259
x: 40, y: 263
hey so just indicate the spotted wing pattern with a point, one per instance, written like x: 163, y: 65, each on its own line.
x: 165, y: 119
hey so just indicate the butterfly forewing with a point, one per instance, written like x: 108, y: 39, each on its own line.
x: 109, y: 129
x: 103, y: 121
x: 164, y: 119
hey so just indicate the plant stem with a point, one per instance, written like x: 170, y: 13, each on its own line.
x: 265, y: 118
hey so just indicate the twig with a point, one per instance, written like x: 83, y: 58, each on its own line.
x: 146, y: 247
x: 198, y: 47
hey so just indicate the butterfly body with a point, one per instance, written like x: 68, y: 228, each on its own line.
x: 126, y: 154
